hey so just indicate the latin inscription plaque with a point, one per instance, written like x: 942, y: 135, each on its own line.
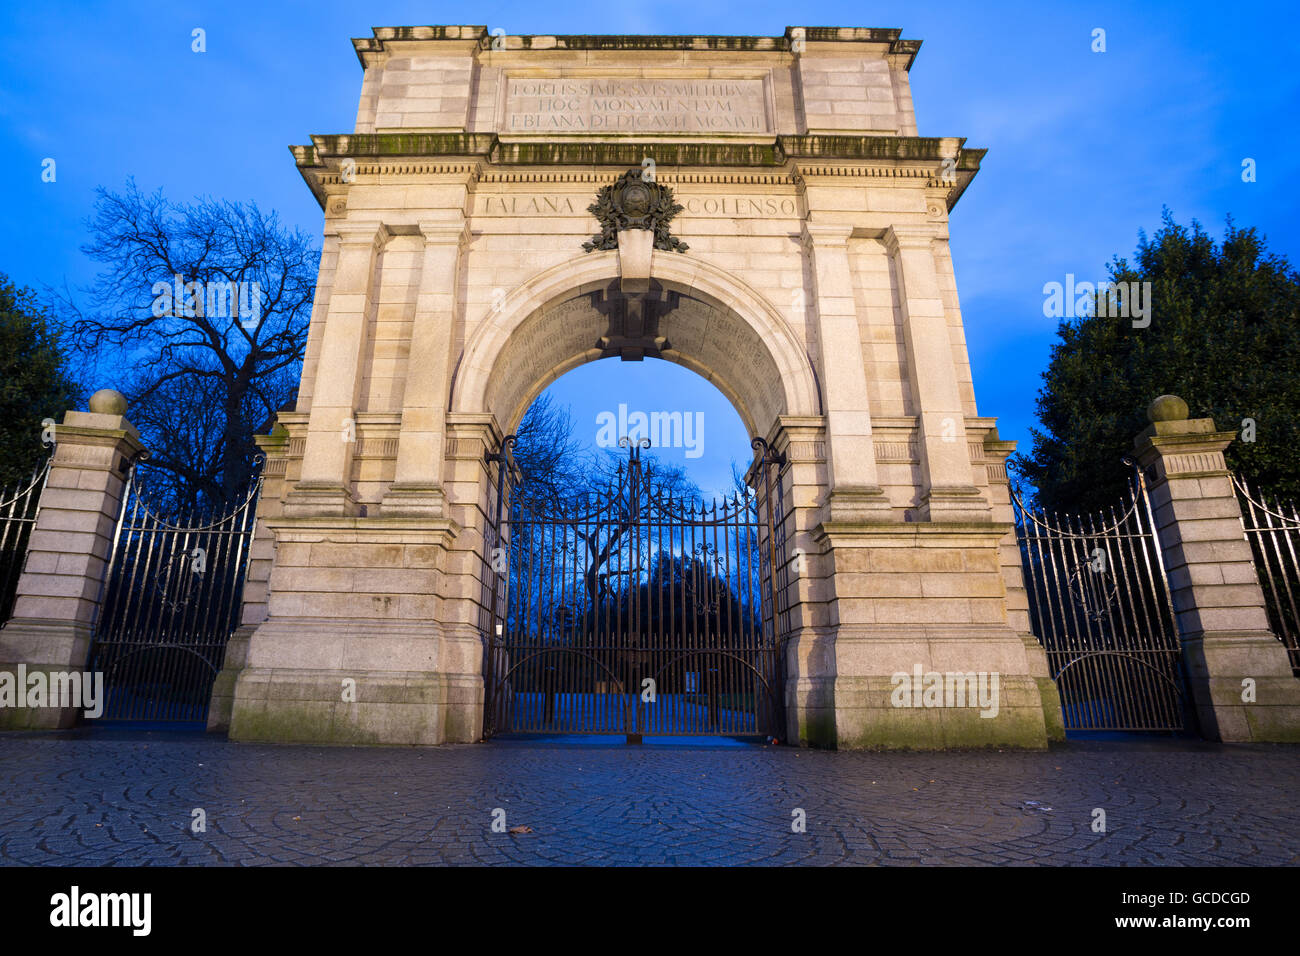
x: 598, y: 104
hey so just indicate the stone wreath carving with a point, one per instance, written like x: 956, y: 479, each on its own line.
x: 633, y: 203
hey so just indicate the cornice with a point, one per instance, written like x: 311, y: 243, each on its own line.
x: 475, y: 156
x: 477, y: 38
x: 780, y: 177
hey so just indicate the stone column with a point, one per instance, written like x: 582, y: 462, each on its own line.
x: 809, y: 650
x: 947, y: 493
x: 855, y: 492
x: 323, y: 488
x: 471, y: 482
x: 996, y: 453
x: 261, y: 559
x: 60, y: 589
x: 418, y: 486
x: 1218, y: 602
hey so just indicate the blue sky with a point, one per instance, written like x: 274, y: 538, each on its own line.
x: 1084, y: 148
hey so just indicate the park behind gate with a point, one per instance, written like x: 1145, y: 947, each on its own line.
x: 634, y: 608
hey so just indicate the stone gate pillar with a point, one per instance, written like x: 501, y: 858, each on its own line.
x: 351, y: 645
x: 60, y: 590
x: 1218, y: 602
x: 915, y: 595
x: 808, y: 651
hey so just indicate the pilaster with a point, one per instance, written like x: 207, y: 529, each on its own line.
x: 324, y: 486
x: 418, y: 485
x: 854, y: 490
x: 947, y: 493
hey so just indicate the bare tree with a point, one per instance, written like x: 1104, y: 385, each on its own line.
x: 185, y: 421
x: 551, y: 460
x: 562, y: 478
x: 209, y: 303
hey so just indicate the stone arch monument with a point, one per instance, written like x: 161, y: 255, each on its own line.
x: 815, y: 289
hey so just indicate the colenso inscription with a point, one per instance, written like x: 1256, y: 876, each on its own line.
x: 740, y: 207
x: 594, y: 104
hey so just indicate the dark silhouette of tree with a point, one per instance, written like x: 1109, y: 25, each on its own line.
x: 185, y: 421
x: 551, y: 461
x: 226, y: 350
x: 35, y: 383
x: 1224, y: 335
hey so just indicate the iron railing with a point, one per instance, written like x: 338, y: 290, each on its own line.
x: 1100, y: 605
x: 171, y: 600
x: 1274, y: 535
x: 633, y: 610
x: 19, y: 508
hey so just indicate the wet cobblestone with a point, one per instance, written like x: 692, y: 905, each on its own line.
x: 105, y: 800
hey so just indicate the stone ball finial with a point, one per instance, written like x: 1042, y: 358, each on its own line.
x: 107, y: 401
x: 1167, y: 408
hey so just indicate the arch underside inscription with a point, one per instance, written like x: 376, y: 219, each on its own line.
x: 715, y: 343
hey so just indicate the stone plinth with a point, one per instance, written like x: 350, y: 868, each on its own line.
x: 353, y: 650
x: 930, y: 598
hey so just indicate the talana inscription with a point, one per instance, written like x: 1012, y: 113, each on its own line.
x: 516, y: 205
x: 591, y: 103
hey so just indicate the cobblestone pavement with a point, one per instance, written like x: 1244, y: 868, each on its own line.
x: 97, y: 799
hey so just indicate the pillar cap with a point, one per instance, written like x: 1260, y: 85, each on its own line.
x: 107, y: 401
x: 1167, y: 408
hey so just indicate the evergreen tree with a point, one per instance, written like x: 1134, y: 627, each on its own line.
x: 1224, y: 335
x: 34, y: 382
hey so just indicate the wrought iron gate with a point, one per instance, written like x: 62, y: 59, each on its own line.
x: 1099, y: 604
x: 633, y: 610
x: 1274, y: 535
x: 171, y: 601
x: 19, y: 507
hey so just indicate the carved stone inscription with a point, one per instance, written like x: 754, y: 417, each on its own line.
x: 586, y: 104
x: 722, y: 206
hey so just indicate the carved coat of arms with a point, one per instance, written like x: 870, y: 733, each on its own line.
x: 633, y: 203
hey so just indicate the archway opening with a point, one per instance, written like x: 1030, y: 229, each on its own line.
x: 582, y: 424
x: 599, y: 320
x: 638, y: 593
x: 634, y: 565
